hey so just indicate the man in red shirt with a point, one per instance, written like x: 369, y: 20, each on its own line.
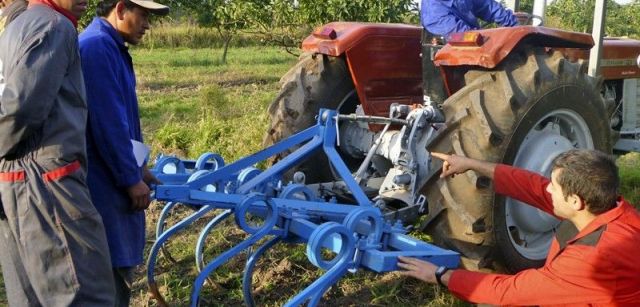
x: 593, y: 259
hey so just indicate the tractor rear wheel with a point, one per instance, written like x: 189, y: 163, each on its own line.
x: 317, y: 81
x: 525, y: 112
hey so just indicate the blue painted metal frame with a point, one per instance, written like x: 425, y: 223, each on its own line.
x: 357, y: 234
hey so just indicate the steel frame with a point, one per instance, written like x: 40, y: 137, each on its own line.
x: 357, y: 233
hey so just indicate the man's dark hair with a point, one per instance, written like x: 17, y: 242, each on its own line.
x: 105, y: 7
x: 590, y: 174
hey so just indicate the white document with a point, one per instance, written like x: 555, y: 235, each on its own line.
x: 140, y: 151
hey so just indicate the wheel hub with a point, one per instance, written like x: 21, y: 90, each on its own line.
x: 530, y: 229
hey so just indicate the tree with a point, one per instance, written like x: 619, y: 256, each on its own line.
x: 287, y: 22
x: 577, y: 15
x: 227, y: 17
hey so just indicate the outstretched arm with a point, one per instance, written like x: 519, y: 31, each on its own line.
x: 454, y: 165
x: 520, y: 184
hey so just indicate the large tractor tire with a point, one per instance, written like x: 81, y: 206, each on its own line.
x: 525, y: 112
x: 317, y: 81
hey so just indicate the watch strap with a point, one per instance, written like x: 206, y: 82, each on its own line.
x: 439, y: 272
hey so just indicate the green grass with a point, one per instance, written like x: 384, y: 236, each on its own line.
x: 191, y: 103
x: 629, y: 166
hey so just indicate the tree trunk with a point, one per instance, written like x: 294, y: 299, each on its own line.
x: 227, y: 40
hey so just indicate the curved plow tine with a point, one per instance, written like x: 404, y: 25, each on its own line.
x: 162, y: 219
x: 257, y: 233
x: 338, y: 266
x: 154, y: 294
x: 160, y: 229
x: 153, y: 253
x: 314, y: 292
x: 247, y: 278
x: 203, y: 236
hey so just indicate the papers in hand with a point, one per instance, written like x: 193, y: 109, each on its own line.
x: 140, y: 151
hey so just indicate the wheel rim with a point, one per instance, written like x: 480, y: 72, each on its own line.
x: 531, y: 230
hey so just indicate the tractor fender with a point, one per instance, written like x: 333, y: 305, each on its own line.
x: 496, y: 44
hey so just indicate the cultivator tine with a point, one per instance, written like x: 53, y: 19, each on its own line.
x: 153, y: 253
x: 247, y: 277
x: 161, y: 224
x: 336, y: 267
x: 257, y: 233
x: 154, y: 294
x: 203, y: 236
x: 162, y: 219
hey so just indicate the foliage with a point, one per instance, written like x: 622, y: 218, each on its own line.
x: 288, y: 21
x: 284, y: 22
x: 629, y: 165
x: 577, y: 15
x: 89, y: 15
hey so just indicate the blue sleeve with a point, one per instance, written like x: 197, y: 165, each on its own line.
x: 439, y: 19
x: 107, y: 122
x: 493, y: 11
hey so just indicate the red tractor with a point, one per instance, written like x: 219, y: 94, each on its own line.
x: 518, y: 95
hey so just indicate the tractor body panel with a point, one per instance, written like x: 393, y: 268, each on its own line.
x: 618, y: 59
x: 383, y: 59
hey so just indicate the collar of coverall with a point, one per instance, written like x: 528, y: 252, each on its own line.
x: 58, y: 9
x: 604, y: 218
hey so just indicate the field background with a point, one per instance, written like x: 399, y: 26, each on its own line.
x: 190, y: 103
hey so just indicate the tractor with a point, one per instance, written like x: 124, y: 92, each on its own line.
x: 519, y: 95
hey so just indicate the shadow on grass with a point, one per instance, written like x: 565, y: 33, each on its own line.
x: 250, y: 80
x: 167, y: 85
x: 267, y: 60
x: 190, y: 62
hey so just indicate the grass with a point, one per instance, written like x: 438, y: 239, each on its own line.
x: 191, y: 103
x: 629, y: 166
x: 183, y: 35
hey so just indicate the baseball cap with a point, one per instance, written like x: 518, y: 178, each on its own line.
x: 152, y: 6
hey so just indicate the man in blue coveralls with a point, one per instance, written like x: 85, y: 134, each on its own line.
x: 443, y: 17
x: 118, y: 181
x: 440, y: 18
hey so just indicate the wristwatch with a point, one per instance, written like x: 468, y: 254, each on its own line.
x: 439, y: 272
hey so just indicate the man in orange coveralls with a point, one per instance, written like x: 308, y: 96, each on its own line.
x: 594, y: 258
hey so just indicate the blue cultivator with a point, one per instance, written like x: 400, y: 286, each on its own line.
x: 356, y: 218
